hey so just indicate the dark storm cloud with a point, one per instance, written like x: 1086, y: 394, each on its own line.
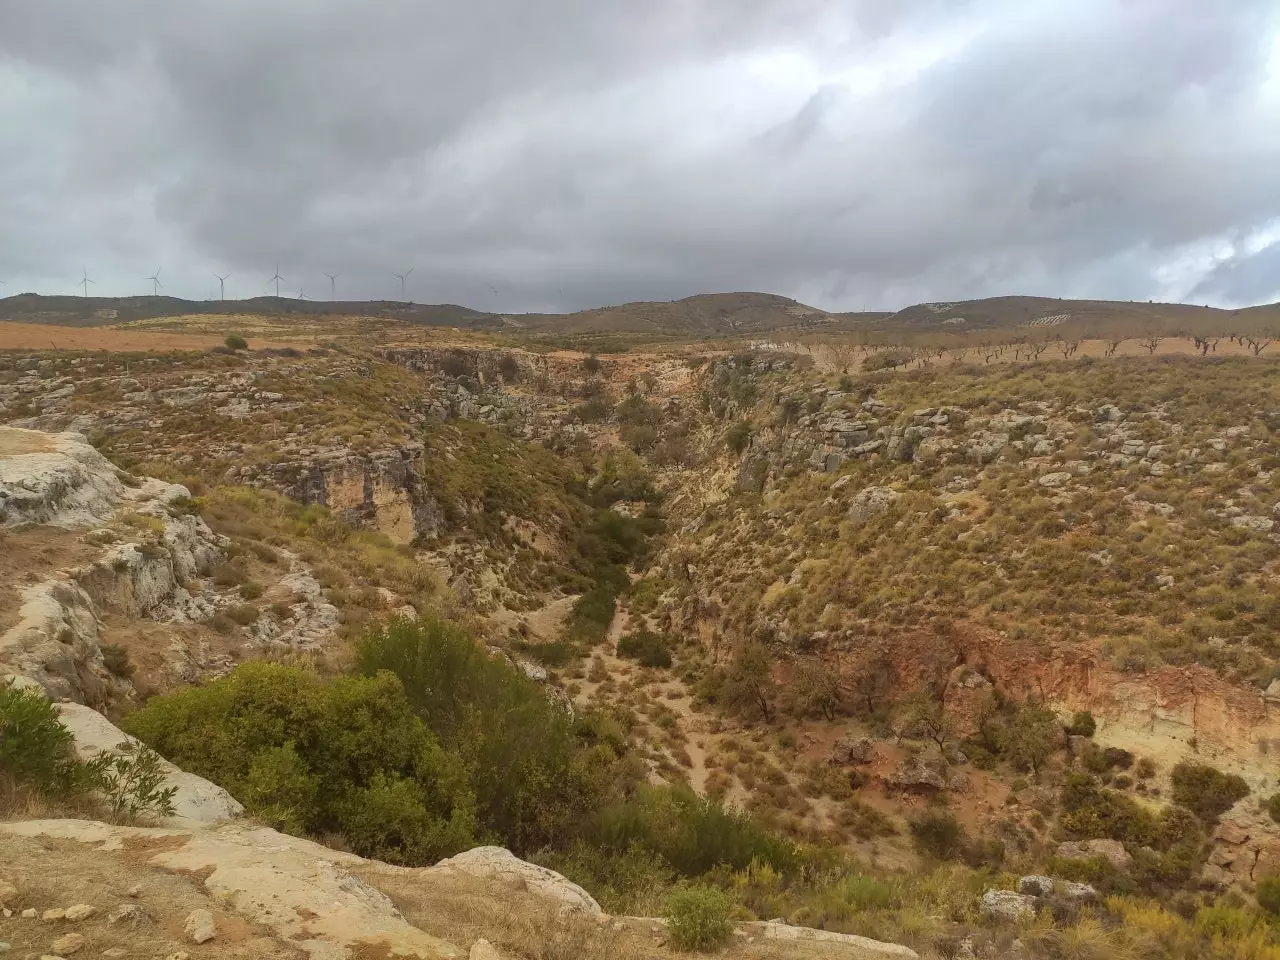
x: 575, y: 152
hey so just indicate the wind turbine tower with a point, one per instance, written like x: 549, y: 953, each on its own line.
x: 333, y: 285
x: 277, y: 278
x: 222, y: 285
x: 155, y: 283
x: 402, y: 277
x: 85, y: 281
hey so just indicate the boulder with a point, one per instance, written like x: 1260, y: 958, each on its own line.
x: 1041, y: 886
x: 932, y: 773
x: 68, y: 943
x: 1112, y: 850
x: 502, y: 864
x: 484, y: 950
x: 199, y: 926
x: 81, y: 911
x: 851, y: 749
x: 1007, y: 905
x: 870, y: 501
x: 843, y: 945
x: 55, y: 478
x: 196, y: 799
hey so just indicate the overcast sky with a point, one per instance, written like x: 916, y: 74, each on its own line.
x: 571, y: 153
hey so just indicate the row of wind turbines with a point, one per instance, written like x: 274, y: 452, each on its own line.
x: 85, y: 283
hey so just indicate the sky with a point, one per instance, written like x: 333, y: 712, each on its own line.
x: 566, y: 154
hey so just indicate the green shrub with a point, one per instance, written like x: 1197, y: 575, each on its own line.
x: 1082, y: 724
x: 738, y: 436
x: 592, y: 364
x: 1207, y: 792
x: 35, y: 747
x: 132, y: 783
x: 691, y: 833
x: 592, y: 613
x: 1268, y: 893
x: 699, y: 918
x: 235, y: 342
x: 1273, y: 807
x: 938, y: 834
x: 647, y: 648
x: 533, y: 781
x: 303, y: 752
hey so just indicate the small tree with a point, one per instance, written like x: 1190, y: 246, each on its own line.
x: 925, y: 718
x: 236, y: 342
x: 592, y: 364
x: 132, y: 783
x: 1031, y: 736
x: 1082, y: 724
x: 748, y: 681
x: 815, y: 689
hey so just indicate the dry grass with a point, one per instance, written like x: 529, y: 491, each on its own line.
x: 520, y: 923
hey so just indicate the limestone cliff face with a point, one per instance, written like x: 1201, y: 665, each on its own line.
x: 381, y: 491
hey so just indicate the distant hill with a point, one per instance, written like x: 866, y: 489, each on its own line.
x: 705, y: 315
x: 100, y: 311
x: 1097, y: 315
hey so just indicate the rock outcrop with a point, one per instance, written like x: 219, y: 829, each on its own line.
x: 501, y: 864
x: 197, y: 799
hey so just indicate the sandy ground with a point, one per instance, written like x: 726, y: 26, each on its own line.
x: 39, y: 336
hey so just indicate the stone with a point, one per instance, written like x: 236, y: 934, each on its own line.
x: 1253, y: 524
x: 484, y: 950
x: 131, y: 914
x: 1112, y: 850
x: 1055, y: 480
x: 55, y: 913
x: 115, y: 952
x: 853, y: 750
x: 503, y: 865
x: 199, y: 926
x: 1007, y: 905
x: 1041, y: 886
x: 196, y: 799
x: 81, y: 911
x: 8, y: 892
x: 849, y: 945
x: 29, y: 913
x: 68, y: 943
x: 870, y: 501
x: 932, y: 773
x: 178, y: 955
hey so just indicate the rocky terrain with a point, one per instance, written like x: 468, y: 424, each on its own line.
x: 1004, y: 633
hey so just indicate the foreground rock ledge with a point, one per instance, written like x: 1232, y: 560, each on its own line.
x: 313, y: 898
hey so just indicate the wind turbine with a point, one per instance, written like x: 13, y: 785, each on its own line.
x: 277, y: 278
x: 155, y: 280
x: 222, y: 285
x: 301, y: 294
x: 402, y: 277
x: 85, y: 281
x: 333, y: 284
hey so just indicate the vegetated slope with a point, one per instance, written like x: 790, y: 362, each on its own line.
x: 97, y: 311
x: 713, y: 314
x: 1096, y: 316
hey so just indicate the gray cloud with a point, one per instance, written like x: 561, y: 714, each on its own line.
x: 578, y: 152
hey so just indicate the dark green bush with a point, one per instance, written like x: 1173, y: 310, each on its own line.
x: 1273, y: 807
x: 1206, y: 791
x: 235, y: 342
x: 691, y: 833
x: 1268, y: 894
x: 1082, y: 724
x: 738, y: 436
x: 314, y: 756
x: 699, y: 918
x: 938, y: 834
x: 533, y: 779
x: 647, y: 648
x: 35, y: 748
